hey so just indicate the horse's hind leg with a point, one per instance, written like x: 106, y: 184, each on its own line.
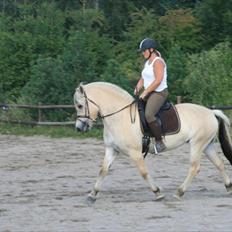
x: 196, y: 152
x: 140, y: 163
x: 212, y: 155
x: 110, y: 155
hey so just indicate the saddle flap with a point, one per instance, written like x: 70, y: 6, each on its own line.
x: 141, y: 109
x: 170, y: 122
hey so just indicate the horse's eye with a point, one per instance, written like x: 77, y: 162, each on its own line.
x: 79, y: 106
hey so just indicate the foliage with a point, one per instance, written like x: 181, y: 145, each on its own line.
x: 176, y: 67
x: 53, y: 80
x: 209, y: 76
x: 114, y: 74
x: 179, y: 27
x: 23, y: 40
x: 48, y: 47
x: 131, y: 61
x: 216, y: 20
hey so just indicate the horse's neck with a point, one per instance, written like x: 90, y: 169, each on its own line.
x: 109, y: 100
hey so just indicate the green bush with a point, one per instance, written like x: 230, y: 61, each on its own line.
x: 53, y: 80
x: 209, y: 76
x: 176, y: 68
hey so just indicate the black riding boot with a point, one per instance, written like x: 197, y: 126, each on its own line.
x: 157, y: 133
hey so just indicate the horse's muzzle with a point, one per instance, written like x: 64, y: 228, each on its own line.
x: 82, y: 125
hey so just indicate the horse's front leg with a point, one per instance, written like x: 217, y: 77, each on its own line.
x: 110, y: 155
x: 137, y: 157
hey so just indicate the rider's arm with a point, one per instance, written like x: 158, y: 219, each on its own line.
x: 138, y: 86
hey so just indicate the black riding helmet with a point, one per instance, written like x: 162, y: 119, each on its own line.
x: 146, y: 44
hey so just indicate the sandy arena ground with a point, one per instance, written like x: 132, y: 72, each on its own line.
x: 44, y: 183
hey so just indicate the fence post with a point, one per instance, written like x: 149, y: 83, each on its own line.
x: 178, y: 99
x: 39, y: 113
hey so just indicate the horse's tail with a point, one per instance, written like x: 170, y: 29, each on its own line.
x: 224, y: 135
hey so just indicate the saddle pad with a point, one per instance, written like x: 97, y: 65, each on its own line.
x: 167, y: 116
x: 170, y: 122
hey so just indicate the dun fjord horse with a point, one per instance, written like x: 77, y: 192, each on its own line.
x: 122, y: 132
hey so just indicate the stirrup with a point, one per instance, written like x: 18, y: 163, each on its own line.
x: 159, y: 147
x: 156, y: 152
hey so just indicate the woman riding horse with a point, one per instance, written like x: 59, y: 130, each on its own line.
x: 154, y: 82
x: 200, y: 127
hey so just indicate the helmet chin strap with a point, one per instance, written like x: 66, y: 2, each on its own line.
x: 150, y: 53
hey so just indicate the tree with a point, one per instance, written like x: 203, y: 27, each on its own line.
x: 179, y: 27
x: 177, y: 33
x: 113, y: 73
x: 116, y: 13
x: 23, y: 40
x: 215, y: 17
x: 127, y: 50
x: 53, y: 80
x: 177, y: 71
x: 209, y: 76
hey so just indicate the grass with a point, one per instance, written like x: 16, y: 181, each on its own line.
x: 50, y: 131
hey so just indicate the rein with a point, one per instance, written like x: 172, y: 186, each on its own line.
x: 129, y: 105
x: 110, y: 114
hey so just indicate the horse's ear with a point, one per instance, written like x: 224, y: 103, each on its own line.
x: 80, y: 88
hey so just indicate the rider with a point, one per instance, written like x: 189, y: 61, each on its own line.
x: 154, y: 83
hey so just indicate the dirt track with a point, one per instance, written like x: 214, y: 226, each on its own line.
x: 44, y: 183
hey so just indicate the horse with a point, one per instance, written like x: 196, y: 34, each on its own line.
x: 122, y: 133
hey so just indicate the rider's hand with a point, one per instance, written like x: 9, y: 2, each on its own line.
x: 136, y: 91
x: 143, y: 95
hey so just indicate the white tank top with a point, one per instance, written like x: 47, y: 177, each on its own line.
x: 149, y: 76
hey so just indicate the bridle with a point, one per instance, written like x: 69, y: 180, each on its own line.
x: 100, y: 115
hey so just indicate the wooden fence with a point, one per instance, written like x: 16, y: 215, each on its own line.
x: 40, y: 107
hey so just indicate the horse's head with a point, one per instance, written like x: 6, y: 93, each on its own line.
x: 87, y: 109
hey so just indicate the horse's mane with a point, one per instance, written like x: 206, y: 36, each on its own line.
x: 112, y: 87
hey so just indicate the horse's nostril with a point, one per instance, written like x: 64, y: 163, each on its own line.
x: 78, y: 129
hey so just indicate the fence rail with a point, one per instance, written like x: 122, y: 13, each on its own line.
x: 37, y: 123
x: 40, y: 107
x: 220, y: 107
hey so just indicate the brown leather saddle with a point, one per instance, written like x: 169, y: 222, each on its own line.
x: 167, y: 117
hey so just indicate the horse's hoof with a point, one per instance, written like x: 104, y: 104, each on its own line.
x: 177, y: 197
x: 179, y: 194
x: 90, y: 199
x: 229, y: 191
x: 160, y: 197
x: 229, y: 188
